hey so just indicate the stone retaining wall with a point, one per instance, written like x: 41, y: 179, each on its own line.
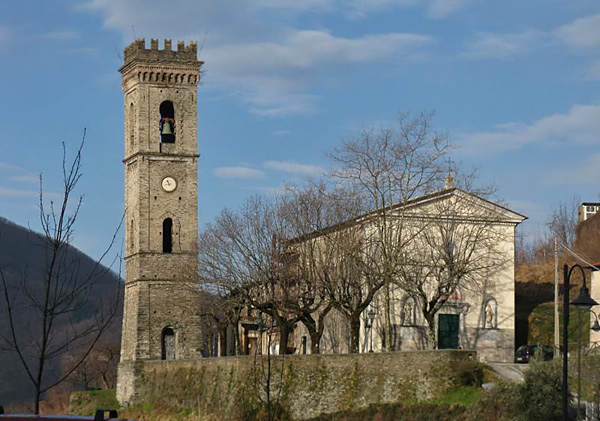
x: 304, y: 386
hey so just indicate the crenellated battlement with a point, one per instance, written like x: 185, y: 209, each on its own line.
x: 184, y: 54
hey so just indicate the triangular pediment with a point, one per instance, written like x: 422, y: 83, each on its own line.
x: 456, y: 203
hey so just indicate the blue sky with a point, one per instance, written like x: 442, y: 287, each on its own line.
x: 515, y: 84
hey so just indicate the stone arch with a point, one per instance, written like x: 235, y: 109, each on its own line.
x: 168, y: 344
x: 490, y: 313
x: 408, y: 313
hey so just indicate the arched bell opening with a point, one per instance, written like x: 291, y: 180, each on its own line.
x: 167, y: 122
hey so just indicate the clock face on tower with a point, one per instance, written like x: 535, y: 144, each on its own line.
x: 169, y: 184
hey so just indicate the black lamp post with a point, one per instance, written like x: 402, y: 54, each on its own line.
x: 595, y: 328
x: 583, y: 303
x: 369, y: 323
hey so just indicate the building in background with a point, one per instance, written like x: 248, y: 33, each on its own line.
x: 587, y: 210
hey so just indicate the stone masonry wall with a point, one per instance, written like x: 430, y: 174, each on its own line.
x: 305, y: 385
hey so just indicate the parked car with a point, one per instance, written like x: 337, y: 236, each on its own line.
x: 527, y: 352
x: 101, y: 415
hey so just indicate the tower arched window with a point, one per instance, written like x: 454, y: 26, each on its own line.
x: 168, y: 344
x: 167, y: 122
x: 168, y: 235
x: 132, y: 118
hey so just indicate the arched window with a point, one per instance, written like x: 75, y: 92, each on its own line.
x: 132, y: 122
x: 168, y: 344
x: 167, y: 122
x: 167, y: 235
x: 131, y: 237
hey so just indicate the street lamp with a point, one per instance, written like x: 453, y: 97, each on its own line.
x: 369, y: 324
x: 583, y: 303
x: 583, y: 308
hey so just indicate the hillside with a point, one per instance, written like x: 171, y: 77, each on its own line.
x: 23, y: 256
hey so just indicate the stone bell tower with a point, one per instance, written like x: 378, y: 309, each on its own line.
x: 160, y: 319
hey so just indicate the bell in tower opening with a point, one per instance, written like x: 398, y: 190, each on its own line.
x: 167, y: 122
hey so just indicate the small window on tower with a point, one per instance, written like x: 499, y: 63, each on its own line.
x: 131, y: 126
x: 167, y: 122
x: 167, y: 235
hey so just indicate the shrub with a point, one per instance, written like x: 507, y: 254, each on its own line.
x: 468, y: 373
x: 541, y: 392
x: 498, y: 404
x: 538, y: 398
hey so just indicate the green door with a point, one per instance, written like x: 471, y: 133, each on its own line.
x: 448, y: 331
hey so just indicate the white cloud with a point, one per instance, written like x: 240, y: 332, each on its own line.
x: 583, y: 33
x: 16, y: 173
x: 244, y: 173
x: 586, y: 171
x: 581, y: 124
x: 438, y: 9
x: 294, y: 167
x: 27, y: 178
x: 8, y: 192
x: 251, y: 50
x: 62, y: 35
x: 273, y: 76
x: 503, y: 46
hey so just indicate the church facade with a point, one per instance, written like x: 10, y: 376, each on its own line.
x: 480, y: 311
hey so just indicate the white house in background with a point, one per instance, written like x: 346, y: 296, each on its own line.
x: 587, y: 210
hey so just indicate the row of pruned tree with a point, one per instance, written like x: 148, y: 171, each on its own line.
x: 339, y: 242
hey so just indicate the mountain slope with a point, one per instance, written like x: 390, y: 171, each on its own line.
x: 23, y: 260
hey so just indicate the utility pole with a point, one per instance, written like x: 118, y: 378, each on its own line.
x: 556, y: 315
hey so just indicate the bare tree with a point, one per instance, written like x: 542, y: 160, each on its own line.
x: 99, y: 369
x: 563, y: 222
x: 63, y: 294
x: 387, y: 167
x: 245, y: 253
x: 308, y: 211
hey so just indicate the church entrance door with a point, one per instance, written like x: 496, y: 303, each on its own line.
x: 448, y: 331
